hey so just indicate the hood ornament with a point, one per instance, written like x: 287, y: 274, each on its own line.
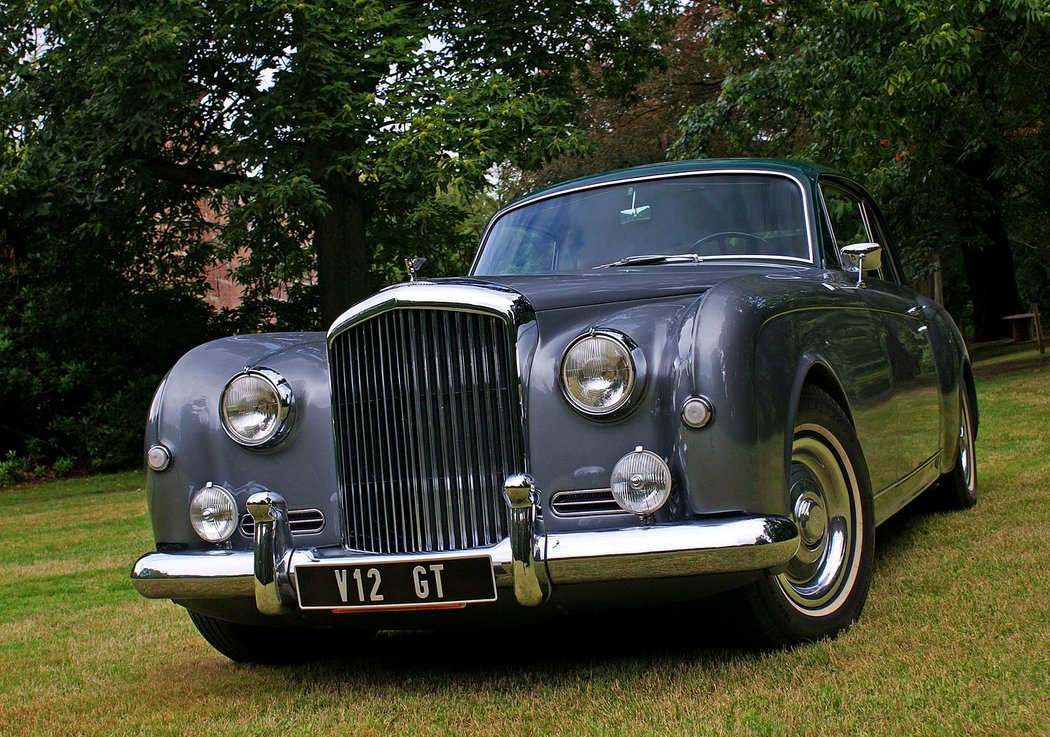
x: 413, y: 265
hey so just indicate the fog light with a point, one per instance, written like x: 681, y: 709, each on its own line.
x: 641, y: 482
x: 213, y: 513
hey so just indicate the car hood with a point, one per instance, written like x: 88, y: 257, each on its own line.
x: 608, y: 286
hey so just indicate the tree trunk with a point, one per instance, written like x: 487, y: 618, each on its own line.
x: 342, y: 251
x: 993, y: 283
x: 990, y: 265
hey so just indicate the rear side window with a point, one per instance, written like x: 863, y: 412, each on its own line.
x: 853, y: 220
x: 847, y: 216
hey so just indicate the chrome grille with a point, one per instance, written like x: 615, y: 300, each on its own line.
x: 428, y: 426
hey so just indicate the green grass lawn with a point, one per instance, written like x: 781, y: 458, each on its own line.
x: 955, y: 638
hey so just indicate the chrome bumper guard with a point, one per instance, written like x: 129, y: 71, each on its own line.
x: 527, y: 562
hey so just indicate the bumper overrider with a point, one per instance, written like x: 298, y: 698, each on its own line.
x: 528, y: 562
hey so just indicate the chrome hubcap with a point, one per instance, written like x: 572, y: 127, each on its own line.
x: 825, y: 504
x: 810, y: 514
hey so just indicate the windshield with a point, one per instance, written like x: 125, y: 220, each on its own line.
x: 696, y: 218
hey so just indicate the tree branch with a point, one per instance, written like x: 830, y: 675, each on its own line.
x: 188, y: 174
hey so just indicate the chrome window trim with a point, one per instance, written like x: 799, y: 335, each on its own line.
x: 873, y: 226
x: 876, y: 227
x: 806, y: 209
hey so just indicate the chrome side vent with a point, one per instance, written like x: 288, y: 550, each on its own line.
x: 585, y: 503
x: 428, y: 425
x: 302, y: 522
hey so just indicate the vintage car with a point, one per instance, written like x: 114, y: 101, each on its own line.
x: 656, y: 384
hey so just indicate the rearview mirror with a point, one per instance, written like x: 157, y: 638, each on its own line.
x: 634, y: 213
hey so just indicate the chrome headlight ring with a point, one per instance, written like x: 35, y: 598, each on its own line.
x: 257, y: 407
x: 602, y: 373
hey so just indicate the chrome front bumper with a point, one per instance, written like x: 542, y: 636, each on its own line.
x: 527, y: 562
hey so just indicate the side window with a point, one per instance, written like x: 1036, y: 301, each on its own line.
x: 878, y: 234
x: 847, y: 216
x: 852, y: 222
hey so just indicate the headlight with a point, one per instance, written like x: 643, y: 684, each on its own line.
x: 257, y: 408
x: 641, y: 482
x: 599, y: 372
x: 213, y: 513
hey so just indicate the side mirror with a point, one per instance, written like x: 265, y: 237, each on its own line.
x: 861, y: 257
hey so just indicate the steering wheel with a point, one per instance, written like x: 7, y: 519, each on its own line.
x: 725, y: 235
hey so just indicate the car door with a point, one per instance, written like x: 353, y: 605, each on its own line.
x: 902, y: 322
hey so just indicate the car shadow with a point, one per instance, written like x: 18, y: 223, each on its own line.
x: 632, y: 641
x: 708, y: 633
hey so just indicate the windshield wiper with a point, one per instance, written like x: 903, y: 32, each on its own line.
x: 653, y: 259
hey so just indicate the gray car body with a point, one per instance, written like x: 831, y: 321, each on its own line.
x: 746, y: 336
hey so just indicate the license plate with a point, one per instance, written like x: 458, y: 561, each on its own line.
x: 399, y: 585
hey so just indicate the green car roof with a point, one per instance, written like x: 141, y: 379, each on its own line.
x: 803, y: 169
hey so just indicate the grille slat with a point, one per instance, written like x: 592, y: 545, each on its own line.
x: 428, y: 425
x: 479, y: 453
x: 464, y: 409
x: 365, y: 434
x: 426, y: 447
x: 411, y: 488
x: 491, y: 441
x: 394, y: 510
x: 445, y: 477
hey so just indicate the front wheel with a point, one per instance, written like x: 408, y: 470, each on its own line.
x: 822, y: 590
x: 957, y: 489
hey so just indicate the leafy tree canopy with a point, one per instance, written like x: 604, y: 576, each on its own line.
x: 941, y: 106
x: 642, y: 131
x: 305, y: 122
x: 319, y: 141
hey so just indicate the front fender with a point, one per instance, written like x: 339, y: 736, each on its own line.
x: 570, y: 451
x: 184, y: 417
x: 758, y: 340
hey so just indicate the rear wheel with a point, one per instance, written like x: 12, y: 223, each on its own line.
x: 957, y: 489
x: 822, y: 590
x: 245, y: 643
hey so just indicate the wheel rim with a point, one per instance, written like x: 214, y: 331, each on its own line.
x: 966, y: 449
x: 826, y: 504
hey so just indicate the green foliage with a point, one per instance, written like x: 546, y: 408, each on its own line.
x: 80, y: 354
x: 316, y: 144
x: 641, y: 130
x: 13, y: 469
x: 285, y: 115
x: 940, y: 106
